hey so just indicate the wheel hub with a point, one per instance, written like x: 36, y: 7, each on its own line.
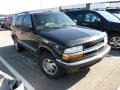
x: 115, y: 42
x: 49, y: 66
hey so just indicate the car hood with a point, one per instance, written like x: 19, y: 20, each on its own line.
x: 71, y: 36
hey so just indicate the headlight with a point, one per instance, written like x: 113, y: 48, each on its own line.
x: 73, y: 50
x: 73, y: 53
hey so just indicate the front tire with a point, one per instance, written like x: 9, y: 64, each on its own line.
x: 49, y: 66
x: 114, y: 41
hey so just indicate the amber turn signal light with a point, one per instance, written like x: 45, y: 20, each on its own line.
x: 72, y: 57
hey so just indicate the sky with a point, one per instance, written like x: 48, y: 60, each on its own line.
x: 15, y: 6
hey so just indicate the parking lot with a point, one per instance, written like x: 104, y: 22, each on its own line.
x: 104, y: 75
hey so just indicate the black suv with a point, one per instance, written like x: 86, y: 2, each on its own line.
x: 100, y: 20
x: 59, y: 43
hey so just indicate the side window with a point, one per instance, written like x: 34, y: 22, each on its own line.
x: 79, y: 18
x: 27, y: 21
x: 92, y: 18
x: 14, y: 20
x: 19, y: 21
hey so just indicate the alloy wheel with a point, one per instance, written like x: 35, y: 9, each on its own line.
x: 49, y: 66
x: 115, y: 42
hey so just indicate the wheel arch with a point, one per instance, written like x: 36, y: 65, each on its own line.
x: 13, y: 36
x: 43, y: 49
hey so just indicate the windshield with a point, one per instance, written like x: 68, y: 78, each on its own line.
x: 108, y: 16
x: 47, y: 21
x: 117, y: 15
x: 117, y: 11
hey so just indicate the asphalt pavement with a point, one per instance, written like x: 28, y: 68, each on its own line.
x: 104, y: 75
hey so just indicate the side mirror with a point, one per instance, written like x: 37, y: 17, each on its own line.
x: 75, y: 21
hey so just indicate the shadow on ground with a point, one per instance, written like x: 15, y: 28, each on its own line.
x: 27, y: 65
x: 115, y: 53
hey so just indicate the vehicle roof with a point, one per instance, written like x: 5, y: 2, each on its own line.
x: 39, y: 12
x: 86, y: 10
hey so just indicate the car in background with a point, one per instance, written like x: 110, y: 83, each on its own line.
x: 8, y: 22
x: 1, y: 20
x: 3, y: 23
x: 60, y: 44
x: 100, y: 20
x: 114, y: 11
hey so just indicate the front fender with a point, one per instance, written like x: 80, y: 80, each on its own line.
x: 48, y: 48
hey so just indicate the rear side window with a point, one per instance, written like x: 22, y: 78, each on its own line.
x: 14, y: 20
x: 19, y: 21
x: 27, y: 21
x: 75, y: 15
x: 79, y: 18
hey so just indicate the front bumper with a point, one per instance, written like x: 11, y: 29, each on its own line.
x: 76, y: 65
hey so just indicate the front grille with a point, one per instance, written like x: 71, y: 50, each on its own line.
x: 98, y: 43
x: 93, y: 52
x: 93, y: 43
x: 92, y: 48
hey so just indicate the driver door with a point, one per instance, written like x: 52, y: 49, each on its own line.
x: 92, y: 20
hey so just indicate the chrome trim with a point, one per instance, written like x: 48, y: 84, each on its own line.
x: 87, y: 50
x: 96, y: 47
x: 94, y: 58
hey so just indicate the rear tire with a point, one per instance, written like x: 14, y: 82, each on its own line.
x: 49, y: 66
x: 18, y: 47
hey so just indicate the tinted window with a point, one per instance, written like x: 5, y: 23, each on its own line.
x: 75, y: 15
x: 90, y: 17
x: 108, y: 16
x: 113, y: 11
x: 79, y: 18
x: 27, y: 21
x: 19, y: 20
x: 14, y: 20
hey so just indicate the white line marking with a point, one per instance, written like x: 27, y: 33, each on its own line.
x: 15, y: 73
x: 6, y: 75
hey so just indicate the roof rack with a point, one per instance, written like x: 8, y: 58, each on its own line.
x: 72, y: 9
x: 22, y: 12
